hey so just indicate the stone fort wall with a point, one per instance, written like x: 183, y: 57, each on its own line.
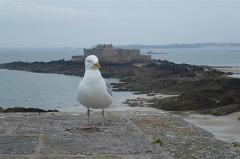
x: 117, y: 56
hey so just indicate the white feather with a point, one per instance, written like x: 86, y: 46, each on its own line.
x: 92, y: 91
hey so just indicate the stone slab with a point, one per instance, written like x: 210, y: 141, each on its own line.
x: 133, y: 134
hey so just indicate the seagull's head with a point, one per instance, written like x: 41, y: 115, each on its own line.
x: 91, y: 62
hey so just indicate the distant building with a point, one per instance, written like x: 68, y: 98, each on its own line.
x: 108, y: 54
x: 77, y: 58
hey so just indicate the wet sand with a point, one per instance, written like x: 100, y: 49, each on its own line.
x: 228, y: 69
x: 226, y: 128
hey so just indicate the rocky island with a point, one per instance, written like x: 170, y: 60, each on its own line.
x: 139, y: 133
x: 198, y: 88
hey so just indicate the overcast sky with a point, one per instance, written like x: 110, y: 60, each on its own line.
x: 82, y: 23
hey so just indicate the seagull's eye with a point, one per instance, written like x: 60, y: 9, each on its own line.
x: 89, y: 61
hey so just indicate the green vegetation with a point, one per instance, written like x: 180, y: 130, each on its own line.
x: 157, y: 141
x: 236, y: 144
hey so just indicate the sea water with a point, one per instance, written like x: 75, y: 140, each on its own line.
x: 28, y: 54
x: 210, y: 56
x: 53, y: 91
x: 48, y: 91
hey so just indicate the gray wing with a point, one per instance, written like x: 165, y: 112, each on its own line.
x: 109, y: 89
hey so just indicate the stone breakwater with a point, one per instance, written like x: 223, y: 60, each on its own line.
x: 135, y: 134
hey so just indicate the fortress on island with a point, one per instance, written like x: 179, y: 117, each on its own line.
x: 108, y: 54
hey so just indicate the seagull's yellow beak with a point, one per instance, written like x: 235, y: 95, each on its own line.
x: 97, y: 65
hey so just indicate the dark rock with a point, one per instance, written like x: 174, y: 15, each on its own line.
x: 22, y: 109
x: 236, y: 144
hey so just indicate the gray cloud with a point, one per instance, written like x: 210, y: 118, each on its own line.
x: 87, y: 22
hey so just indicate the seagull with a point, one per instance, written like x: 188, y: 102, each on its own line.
x: 93, y: 91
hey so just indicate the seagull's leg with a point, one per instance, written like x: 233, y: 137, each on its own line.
x: 101, y: 125
x: 102, y: 116
x: 88, y: 115
x: 87, y: 126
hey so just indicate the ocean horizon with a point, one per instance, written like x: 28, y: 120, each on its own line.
x: 210, y: 56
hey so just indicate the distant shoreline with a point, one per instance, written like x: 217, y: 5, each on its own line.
x: 180, y: 45
x: 227, y: 69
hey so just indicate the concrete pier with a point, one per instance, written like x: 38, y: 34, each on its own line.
x: 132, y: 134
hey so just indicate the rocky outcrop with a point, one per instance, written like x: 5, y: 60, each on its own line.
x: 200, y: 89
x: 25, y: 110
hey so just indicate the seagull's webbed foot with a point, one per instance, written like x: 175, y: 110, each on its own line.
x: 100, y: 126
x: 86, y: 126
